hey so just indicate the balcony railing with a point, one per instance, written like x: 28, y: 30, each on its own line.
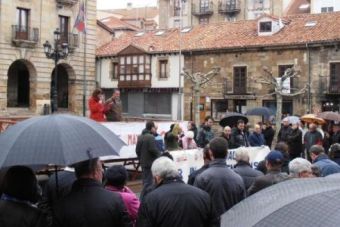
x: 23, y: 36
x: 203, y: 9
x: 67, y: 2
x: 229, y: 6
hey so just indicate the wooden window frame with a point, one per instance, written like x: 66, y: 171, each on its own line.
x: 23, y: 30
x: 237, y: 77
x: 264, y: 26
x: 129, y: 67
x: 163, y: 75
x: 64, y: 28
x: 334, y: 80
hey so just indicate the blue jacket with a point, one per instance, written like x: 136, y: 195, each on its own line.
x: 326, y: 166
x: 256, y: 140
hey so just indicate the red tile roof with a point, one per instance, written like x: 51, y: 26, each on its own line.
x: 141, y: 12
x: 117, y: 24
x: 233, y: 35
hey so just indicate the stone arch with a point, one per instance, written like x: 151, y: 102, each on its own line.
x: 21, y: 75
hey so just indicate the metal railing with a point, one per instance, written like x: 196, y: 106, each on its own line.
x: 23, y: 33
x: 229, y: 6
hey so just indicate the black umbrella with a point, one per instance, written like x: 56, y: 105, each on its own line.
x: 58, y: 140
x: 260, y: 111
x: 298, y: 202
x: 231, y: 118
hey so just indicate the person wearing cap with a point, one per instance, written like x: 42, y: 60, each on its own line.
x: 274, y: 161
x: 300, y: 168
x: 321, y: 160
x: 116, y: 177
x: 188, y: 141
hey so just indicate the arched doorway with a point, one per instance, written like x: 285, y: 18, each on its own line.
x: 62, y: 86
x: 18, y: 85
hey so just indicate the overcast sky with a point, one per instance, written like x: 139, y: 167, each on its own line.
x: 119, y: 4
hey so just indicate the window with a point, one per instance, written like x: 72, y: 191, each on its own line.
x: 204, y: 5
x: 240, y: 80
x: 258, y: 4
x: 157, y: 103
x: 327, y: 9
x: 114, y: 72
x: 282, y: 70
x: 22, y: 23
x: 266, y: 26
x: 163, y: 66
x: 219, y: 108
x: 134, y: 67
x: 203, y: 20
x: 240, y: 106
x: 63, y: 28
x: 334, y: 80
x: 177, y: 8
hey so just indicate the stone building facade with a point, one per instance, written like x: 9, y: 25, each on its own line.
x: 26, y: 74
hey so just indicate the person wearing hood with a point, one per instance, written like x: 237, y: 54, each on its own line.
x: 205, y: 133
x: 147, y: 152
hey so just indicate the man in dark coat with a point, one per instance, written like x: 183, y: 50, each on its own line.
x: 244, y: 169
x: 89, y: 204
x: 225, y: 187
x: 173, y: 203
x: 274, y: 175
x: 294, y: 142
x: 207, y: 160
x: 114, y: 107
x: 285, y: 130
x: 205, y: 133
x: 239, y: 137
x: 336, y: 134
x: 256, y: 139
x: 147, y: 152
x: 312, y: 137
x: 321, y: 160
x: 268, y: 133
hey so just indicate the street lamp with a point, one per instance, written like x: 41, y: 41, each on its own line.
x: 60, y: 51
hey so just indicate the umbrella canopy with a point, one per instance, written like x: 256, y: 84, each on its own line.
x: 292, y: 119
x: 297, y: 202
x: 56, y: 140
x: 231, y: 118
x: 260, y: 111
x: 312, y: 118
x: 329, y: 115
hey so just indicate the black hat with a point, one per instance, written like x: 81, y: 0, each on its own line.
x: 116, y: 175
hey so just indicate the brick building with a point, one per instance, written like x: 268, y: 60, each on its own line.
x: 25, y: 72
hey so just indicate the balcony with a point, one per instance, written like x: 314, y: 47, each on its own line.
x: 25, y: 37
x: 203, y: 9
x: 141, y: 81
x: 334, y: 88
x: 71, y: 39
x: 66, y: 2
x: 229, y: 7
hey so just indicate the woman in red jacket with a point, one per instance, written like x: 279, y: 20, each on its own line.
x: 96, y: 106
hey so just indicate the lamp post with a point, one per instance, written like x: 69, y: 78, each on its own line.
x: 60, y: 51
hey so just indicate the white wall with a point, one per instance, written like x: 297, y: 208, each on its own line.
x: 103, y: 74
x: 316, y: 5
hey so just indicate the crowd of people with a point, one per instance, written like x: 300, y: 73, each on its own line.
x: 93, y: 196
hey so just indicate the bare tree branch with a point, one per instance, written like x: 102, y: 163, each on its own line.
x: 263, y: 96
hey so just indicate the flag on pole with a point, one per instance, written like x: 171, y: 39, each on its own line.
x: 80, y: 23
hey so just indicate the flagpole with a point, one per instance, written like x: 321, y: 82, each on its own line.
x: 85, y: 81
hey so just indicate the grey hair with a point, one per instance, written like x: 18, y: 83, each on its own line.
x: 299, y: 165
x: 164, y: 167
x: 242, y: 154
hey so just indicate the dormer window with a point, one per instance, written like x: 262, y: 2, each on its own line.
x: 266, y: 26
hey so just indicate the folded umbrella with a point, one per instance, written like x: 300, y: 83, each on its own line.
x: 58, y: 140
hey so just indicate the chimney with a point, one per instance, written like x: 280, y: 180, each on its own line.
x: 129, y: 6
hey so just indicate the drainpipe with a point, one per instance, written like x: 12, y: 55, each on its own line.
x: 309, y: 107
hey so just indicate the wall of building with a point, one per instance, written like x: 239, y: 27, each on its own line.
x: 255, y: 61
x: 44, y: 16
x: 316, y: 5
x: 103, y: 36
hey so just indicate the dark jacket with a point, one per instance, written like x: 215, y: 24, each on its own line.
x: 271, y: 178
x: 204, y: 136
x: 20, y: 215
x: 175, y: 204
x: 335, y: 138
x: 312, y: 138
x: 294, y: 141
x: 256, y: 139
x: 89, y: 205
x: 247, y: 173
x: 114, y: 110
x: 193, y: 175
x: 238, y: 139
x: 268, y: 134
x: 227, y: 138
x: 146, y: 149
x: 326, y: 166
x: 283, y: 133
x: 225, y: 187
